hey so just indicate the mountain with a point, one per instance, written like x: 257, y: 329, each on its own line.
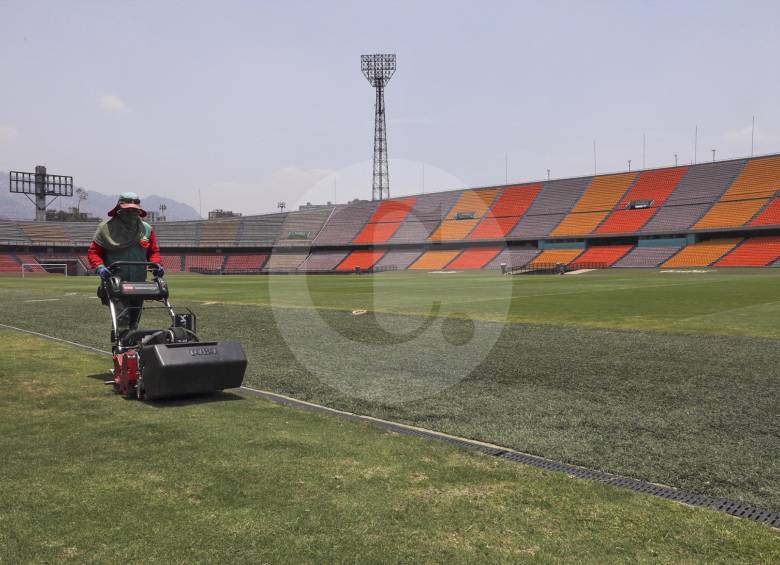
x: 17, y: 206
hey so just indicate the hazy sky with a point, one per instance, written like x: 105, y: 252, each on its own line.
x: 251, y: 102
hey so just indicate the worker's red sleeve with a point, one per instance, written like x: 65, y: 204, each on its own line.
x: 153, y: 252
x: 96, y: 255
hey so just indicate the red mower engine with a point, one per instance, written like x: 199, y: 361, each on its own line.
x: 126, y: 372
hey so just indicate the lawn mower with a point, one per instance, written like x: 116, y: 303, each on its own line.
x: 162, y: 363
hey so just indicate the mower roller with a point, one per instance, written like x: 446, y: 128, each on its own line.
x: 153, y: 364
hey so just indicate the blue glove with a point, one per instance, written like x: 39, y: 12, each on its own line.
x: 159, y: 272
x: 103, y: 272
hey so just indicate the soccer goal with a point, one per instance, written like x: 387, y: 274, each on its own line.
x: 44, y: 268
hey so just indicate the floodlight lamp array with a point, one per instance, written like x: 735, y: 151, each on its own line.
x: 378, y: 68
x: 35, y: 183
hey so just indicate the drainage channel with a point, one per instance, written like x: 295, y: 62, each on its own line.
x: 732, y: 507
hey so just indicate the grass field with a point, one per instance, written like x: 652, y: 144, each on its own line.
x: 668, y: 377
x: 88, y: 477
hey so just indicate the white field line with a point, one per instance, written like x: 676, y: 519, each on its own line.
x: 584, y: 291
x: 719, y: 312
x: 43, y: 300
x: 59, y: 339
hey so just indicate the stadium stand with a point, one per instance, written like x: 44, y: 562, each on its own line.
x: 300, y: 228
x: 203, y: 262
x: 434, y: 260
x: 551, y: 205
x: 607, y: 255
x: 769, y: 215
x: 556, y: 256
x: 452, y: 230
x: 220, y: 233
x: 377, y: 233
x: 9, y: 231
x: 595, y: 204
x: 260, y: 230
x: 506, y: 211
x: 45, y: 232
x: 398, y: 259
x: 758, y: 181
x: 474, y: 258
x: 465, y: 214
x: 730, y: 199
x: 393, y: 210
x: 428, y: 212
x: 646, y: 257
x: 245, y: 262
x: 8, y: 263
x: 753, y: 252
x: 653, y: 188
x: 322, y: 261
x: 362, y: 258
x: 385, y: 221
x: 703, y: 253
x: 473, y: 202
x: 284, y: 262
x: 81, y: 233
x: 697, y: 190
x: 513, y: 257
x: 344, y: 223
x: 173, y: 263
x: 32, y: 263
x: 178, y: 234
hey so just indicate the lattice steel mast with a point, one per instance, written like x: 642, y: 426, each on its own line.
x: 378, y: 69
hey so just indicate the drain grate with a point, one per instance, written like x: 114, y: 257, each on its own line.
x: 732, y: 507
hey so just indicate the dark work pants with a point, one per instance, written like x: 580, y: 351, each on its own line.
x: 129, y: 320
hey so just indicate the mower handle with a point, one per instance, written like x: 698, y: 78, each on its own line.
x: 113, y: 266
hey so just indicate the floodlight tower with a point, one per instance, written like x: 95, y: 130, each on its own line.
x: 378, y: 69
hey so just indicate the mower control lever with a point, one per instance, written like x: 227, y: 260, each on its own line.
x: 154, y: 267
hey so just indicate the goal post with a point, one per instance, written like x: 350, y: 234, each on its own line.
x: 44, y: 268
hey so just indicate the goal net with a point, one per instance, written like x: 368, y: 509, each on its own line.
x: 44, y: 269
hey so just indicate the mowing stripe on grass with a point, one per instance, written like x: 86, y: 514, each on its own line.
x: 731, y: 507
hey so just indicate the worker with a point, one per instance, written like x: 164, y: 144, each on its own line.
x: 125, y: 237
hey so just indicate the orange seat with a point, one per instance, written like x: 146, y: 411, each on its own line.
x: 506, y: 211
x: 363, y: 258
x: 556, y: 256
x: 377, y: 233
x: 702, y: 254
x: 434, y: 260
x: 453, y: 230
x: 595, y: 204
x: 603, y: 254
x: 393, y: 210
x: 754, y: 252
x: 758, y: 181
x: 475, y: 258
x: 770, y: 215
x: 473, y: 201
x: 656, y: 186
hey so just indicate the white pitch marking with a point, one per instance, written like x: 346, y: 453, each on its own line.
x: 43, y: 300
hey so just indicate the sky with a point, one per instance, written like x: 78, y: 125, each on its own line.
x: 240, y: 105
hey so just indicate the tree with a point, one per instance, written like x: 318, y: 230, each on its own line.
x: 81, y: 194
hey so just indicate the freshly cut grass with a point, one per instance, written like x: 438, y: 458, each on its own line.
x: 90, y: 477
x: 692, y: 411
x: 715, y: 302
